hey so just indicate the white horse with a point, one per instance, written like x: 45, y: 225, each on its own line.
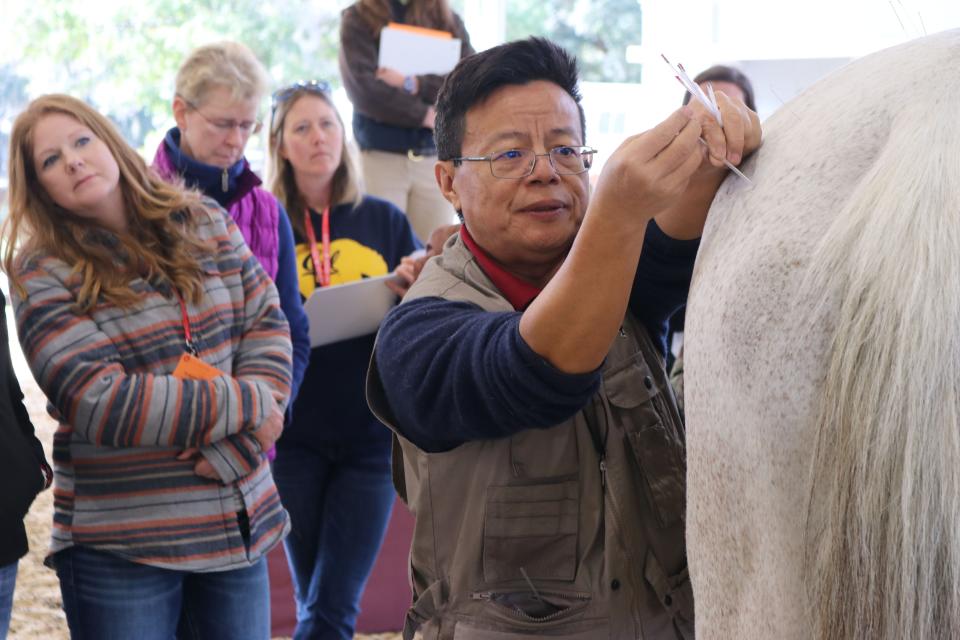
x: 823, y: 365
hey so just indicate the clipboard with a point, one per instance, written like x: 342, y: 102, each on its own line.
x: 417, y: 51
x: 348, y: 310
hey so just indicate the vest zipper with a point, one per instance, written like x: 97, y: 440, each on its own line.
x: 575, y: 595
x: 599, y: 441
x: 225, y: 181
x: 490, y: 596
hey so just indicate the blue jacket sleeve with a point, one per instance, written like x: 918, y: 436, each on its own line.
x: 454, y: 373
x: 662, y: 281
x: 288, y: 286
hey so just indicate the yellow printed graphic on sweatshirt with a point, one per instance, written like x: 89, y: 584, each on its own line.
x: 349, y: 261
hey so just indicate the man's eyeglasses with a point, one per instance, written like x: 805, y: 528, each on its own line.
x: 513, y: 164
x: 225, y: 126
x: 316, y: 87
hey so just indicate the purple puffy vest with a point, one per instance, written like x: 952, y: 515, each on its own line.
x: 256, y: 213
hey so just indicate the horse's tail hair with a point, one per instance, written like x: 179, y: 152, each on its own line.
x: 883, y: 527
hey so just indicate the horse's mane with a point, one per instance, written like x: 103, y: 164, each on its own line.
x: 883, y: 529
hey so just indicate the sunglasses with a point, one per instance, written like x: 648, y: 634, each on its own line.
x: 317, y: 87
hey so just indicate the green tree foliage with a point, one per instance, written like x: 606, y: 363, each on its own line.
x: 597, y: 31
x: 122, y: 56
x: 13, y: 94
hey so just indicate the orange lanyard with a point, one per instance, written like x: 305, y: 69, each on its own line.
x: 321, y: 268
x: 188, y: 337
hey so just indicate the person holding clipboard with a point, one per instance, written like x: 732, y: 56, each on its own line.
x: 393, y: 112
x: 159, y: 342
x: 333, y: 461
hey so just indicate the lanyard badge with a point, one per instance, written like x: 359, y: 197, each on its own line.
x: 190, y: 366
x: 189, y: 345
x: 321, y: 266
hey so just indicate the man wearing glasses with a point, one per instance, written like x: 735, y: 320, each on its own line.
x: 537, y: 441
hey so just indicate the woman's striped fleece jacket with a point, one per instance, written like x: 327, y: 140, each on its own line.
x: 118, y: 486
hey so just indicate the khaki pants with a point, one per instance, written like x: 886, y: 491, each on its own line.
x: 411, y: 185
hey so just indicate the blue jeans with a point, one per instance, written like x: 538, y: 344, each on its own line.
x: 108, y: 598
x: 8, y: 580
x: 339, y: 502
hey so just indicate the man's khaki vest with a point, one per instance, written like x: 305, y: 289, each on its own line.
x: 571, y: 532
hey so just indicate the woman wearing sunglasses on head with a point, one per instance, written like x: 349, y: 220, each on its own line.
x: 393, y: 114
x: 333, y: 461
x: 219, y: 88
x: 158, y: 340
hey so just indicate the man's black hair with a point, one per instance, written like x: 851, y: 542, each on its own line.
x: 476, y: 77
x: 721, y: 73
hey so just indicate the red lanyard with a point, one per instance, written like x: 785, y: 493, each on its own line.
x: 188, y: 337
x: 321, y: 268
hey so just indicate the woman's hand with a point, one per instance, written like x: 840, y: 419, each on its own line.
x: 266, y: 435
x: 205, y: 470
x: 391, y: 76
x: 270, y: 429
x: 438, y: 238
x: 410, y: 266
x: 201, y: 467
x: 406, y: 274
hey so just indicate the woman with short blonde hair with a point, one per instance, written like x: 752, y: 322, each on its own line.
x: 219, y: 88
x: 222, y: 64
x: 159, y: 342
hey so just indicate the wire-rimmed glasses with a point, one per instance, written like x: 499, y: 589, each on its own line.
x: 514, y: 164
x: 226, y: 125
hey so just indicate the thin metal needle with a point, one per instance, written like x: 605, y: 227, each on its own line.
x: 729, y: 164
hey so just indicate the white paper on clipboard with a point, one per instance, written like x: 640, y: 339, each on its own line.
x: 348, y: 310
x: 415, y: 54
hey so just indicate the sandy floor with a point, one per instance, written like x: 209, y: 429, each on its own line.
x: 36, y: 606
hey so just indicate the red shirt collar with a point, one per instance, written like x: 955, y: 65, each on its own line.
x: 518, y: 292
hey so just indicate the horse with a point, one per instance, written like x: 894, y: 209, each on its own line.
x: 822, y: 365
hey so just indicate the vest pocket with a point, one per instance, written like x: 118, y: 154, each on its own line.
x: 630, y: 383
x: 466, y: 632
x: 674, y: 592
x: 657, y: 453
x: 657, y: 449
x: 531, y: 527
x: 523, y: 615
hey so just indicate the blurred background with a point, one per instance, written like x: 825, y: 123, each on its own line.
x: 122, y: 56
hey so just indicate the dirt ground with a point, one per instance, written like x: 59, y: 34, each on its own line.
x: 37, y: 613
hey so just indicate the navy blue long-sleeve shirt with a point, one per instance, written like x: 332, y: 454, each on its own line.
x: 454, y: 373
x: 367, y: 240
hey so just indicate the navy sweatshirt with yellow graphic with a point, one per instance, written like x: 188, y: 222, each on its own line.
x: 365, y: 241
